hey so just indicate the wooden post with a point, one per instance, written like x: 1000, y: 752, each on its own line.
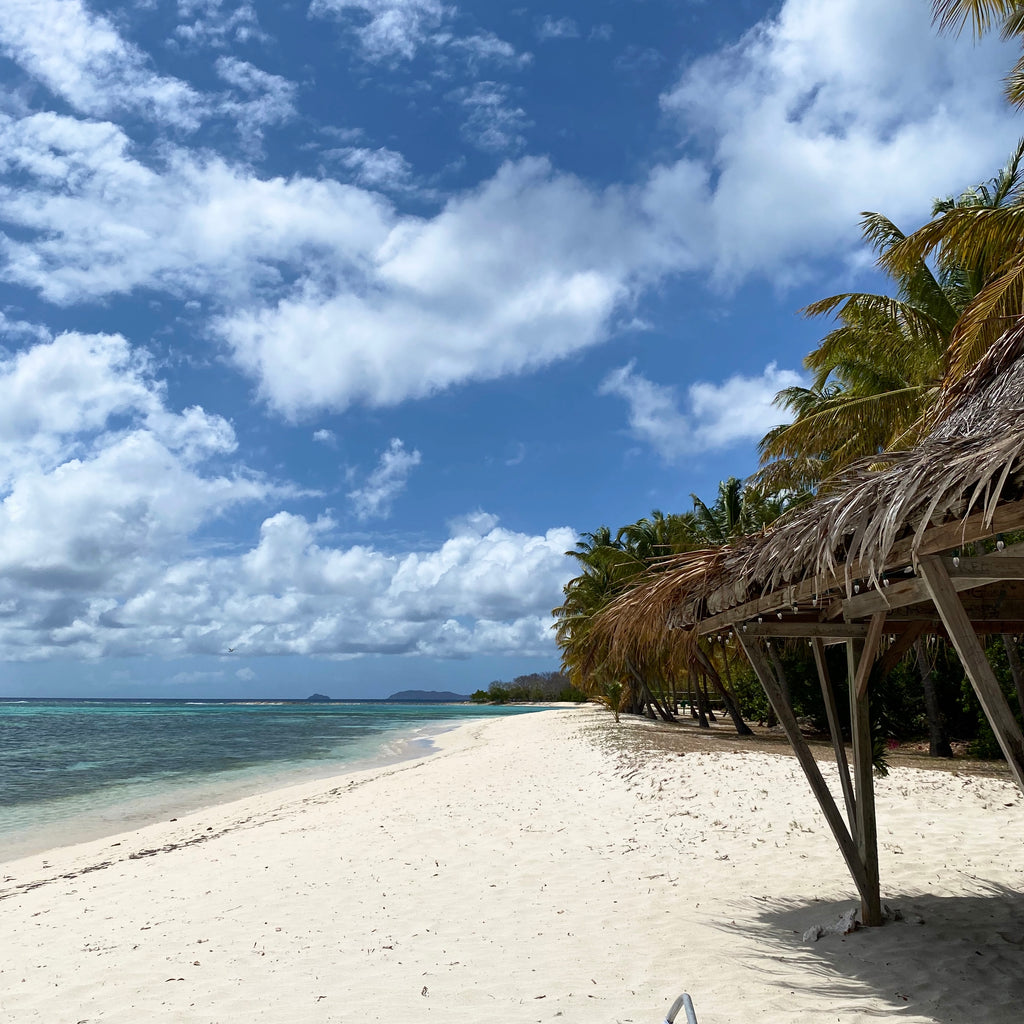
x: 979, y: 671
x: 784, y: 713
x: 832, y: 711
x: 858, y: 660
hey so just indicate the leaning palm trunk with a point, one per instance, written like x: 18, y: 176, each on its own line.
x: 727, y: 698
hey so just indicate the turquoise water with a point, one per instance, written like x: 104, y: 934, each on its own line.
x: 72, y: 770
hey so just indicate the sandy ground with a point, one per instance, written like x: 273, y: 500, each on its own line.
x: 544, y: 867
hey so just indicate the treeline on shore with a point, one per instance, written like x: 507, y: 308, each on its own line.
x: 536, y: 686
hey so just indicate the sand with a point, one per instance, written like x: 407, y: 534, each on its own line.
x: 535, y: 868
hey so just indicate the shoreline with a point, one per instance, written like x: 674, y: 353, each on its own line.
x: 533, y: 868
x: 127, y: 807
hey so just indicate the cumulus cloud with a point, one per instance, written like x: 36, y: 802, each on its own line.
x: 453, y: 299
x: 716, y: 416
x: 80, y: 57
x: 386, y: 482
x: 484, y: 590
x: 99, y: 221
x: 327, y: 294
x: 99, y: 479
x: 822, y: 111
x: 104, y: 490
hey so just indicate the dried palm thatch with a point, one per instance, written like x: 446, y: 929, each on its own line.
x: 870, y: 519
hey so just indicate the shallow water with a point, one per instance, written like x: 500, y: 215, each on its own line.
x: 73, y: 770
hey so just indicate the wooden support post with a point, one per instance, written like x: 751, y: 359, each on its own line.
x: 979, y: 671
x: 832, y: 711
x: 858, y: 660
x: 784, y: 712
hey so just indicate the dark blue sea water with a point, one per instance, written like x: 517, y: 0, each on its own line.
x: 72, y: 770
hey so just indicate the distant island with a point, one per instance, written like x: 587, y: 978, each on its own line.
x: 430, y: 696
x: 318, y: 698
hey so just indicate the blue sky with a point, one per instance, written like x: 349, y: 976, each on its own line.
x: 326, y: 326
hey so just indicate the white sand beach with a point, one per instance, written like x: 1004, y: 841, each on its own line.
x: 530, y: 870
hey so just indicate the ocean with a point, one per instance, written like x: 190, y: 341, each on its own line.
x: 75, y: 770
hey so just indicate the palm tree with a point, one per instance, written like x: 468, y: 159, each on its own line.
x: 873, y: 375
x: 977, y: 242
x: 878, y: 374
x: 984, y: 15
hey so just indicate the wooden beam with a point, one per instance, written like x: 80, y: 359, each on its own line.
x: 988, y: 567
x: 867, y: 658
x: 804, y: 630
x: 979, y: 671
x: 859, y: 661
x: 971, y: 573
x: 784, y: 713
x: 1007, y: 517
x: 832, y: 712
x: 904, y: 641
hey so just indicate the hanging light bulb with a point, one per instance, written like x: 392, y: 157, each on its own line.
x: 815, y: 601
x: 744, y: 627
x: 856, y: 588
x: 760, y: 619
x: 778, y: 615
x: 1000, y: 543
x: 956, y: 559
x: 885, y: 581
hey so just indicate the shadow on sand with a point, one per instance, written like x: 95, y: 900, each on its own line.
x: 951, y: 959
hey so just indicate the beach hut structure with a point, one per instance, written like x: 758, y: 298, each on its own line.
x: 908, y: 546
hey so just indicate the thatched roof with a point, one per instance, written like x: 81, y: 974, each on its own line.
x: 872, y: 519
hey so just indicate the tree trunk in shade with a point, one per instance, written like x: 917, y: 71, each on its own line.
x: 938, y: 739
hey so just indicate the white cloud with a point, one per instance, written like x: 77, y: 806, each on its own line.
x: 216, y: 23
x: 717, y: 416
x: 99, y: 479
x: 269, y: 99
x: 557, y: 28
x: 101, y: 222
x: 327, y: 295
x: 523, y: 272
x: 823, y: 111
x: 375, y: 498
x: 104, y: 491
x: 485, y: 590
x: 494, y: 123
x: 379, y: 168
x: 485, y: 46
x: 324, y: 436
x: 80, y: 57
x: 386, y: 29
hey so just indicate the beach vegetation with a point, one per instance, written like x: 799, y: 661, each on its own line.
x: 535, y: 687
